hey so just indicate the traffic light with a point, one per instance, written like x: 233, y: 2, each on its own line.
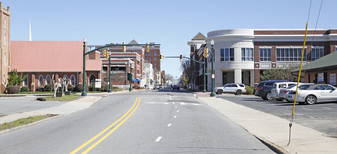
x: 147, y: 49
x: 124, y: 47
x: 161, y: 57
x: 206, y: 53
x: 105, y: 54
x: 181, y: 57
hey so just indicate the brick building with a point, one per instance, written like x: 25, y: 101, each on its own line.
x: 45, y: 61
x: 5, y: 60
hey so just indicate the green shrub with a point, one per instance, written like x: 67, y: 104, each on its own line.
x: 78, y: 88
x: 91, y: 88
x: 250, y: 90
x: 40, y: 89
x: 47, y: 87
x: 105, y: 88
x: 115, y: 88
x: 24, y: 89
x: 71, y: 88
x: 12, y: 89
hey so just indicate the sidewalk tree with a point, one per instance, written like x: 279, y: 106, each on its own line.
x: 188, y: 70
x: 279, y: 74
x: 14, y: 79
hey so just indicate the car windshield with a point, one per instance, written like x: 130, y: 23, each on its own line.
x: 303, y: 87
x: 291, y: 86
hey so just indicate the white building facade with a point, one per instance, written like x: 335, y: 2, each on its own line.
x: 241, y: 55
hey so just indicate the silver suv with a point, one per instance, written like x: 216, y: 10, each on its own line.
x: 235, y: 88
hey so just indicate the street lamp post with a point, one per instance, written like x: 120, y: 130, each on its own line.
x: 213, y: 74
x: 84, y: 93
x: 130, y: 89
x: 204, y: 74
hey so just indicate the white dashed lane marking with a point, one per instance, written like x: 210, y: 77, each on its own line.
x: 158, y: 139
x: 169, y: 125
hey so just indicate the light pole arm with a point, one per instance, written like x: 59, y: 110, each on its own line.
x: 186, y: 58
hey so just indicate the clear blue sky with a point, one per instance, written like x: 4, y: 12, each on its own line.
x: 171, y: 22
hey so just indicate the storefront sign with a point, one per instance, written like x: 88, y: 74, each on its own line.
x: 320, y: 77
x: 333, y: 79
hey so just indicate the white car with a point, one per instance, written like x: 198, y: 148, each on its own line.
x: 311, y: 94
x: 235, y: 88
x: 284, y: 91
x: 275, y: 91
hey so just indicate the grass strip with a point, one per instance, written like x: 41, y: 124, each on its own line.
x: 24, y: 121
x: 64, y: 98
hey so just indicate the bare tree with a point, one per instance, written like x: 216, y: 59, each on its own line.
x: 188, y: 70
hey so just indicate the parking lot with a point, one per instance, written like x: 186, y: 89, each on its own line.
x: 321, y: 116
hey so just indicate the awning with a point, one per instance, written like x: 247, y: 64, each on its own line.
x: 138, y: 80
x: 134, y: 80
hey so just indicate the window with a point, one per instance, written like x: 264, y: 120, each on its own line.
x: 105, y: 69
x: 72, y: 80
x: 247, y: 54
x: 290, y: 54
x: 227, y: 54
x: 150, y: 58
x: 265, y: 54
x: 5, y: 39
x: 316, y: 53
x: 48, y: 80
x: 5, y: 59
x: 155, y: 53
x: 155, y: 63
x: 65, y: 78
x: 25, y: 82
x: 155, y: 58
x: 40, y: 81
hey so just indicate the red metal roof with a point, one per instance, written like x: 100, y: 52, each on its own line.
x: 50, y: 56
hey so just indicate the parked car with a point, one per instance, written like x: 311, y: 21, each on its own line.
x: 311, y: 94
x: 284, y: 92
x: 235, y: 88
x: 263, y: 89
x: 176, y: 87
x: 277, y: 86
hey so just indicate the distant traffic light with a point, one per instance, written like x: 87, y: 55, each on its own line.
x: 124, y: 47
x: 105, y: 53
x: 181, y: 57
x: 206, y: 52
x: 147, y: 49
x: 161, y: 57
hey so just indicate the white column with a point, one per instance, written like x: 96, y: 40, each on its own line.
x: 238, y: 76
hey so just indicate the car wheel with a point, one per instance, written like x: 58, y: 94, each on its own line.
x: 311, y: 99
x: 219, y: 91
x: 238, y: 92
x: 268, y: 96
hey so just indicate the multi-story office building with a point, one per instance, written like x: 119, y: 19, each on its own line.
x: 5, y: 51
x: 241, y: 55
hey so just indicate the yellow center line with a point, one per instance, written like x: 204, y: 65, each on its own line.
x: 106, y: 135
x: 99, y: 134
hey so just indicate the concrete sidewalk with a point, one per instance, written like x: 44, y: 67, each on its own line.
x: 274, y: 130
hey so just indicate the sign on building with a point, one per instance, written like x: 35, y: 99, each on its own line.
x: 320, y: 77
x: 98, y: 83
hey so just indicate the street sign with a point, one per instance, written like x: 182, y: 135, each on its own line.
x: 98, y: 83
x: 207, y: 73
x: 213, y: 76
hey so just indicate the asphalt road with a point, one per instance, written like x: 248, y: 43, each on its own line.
x: 321, y: 116
x: 157, y: 122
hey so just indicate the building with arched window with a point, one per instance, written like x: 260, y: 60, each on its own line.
x: 44, y: 62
